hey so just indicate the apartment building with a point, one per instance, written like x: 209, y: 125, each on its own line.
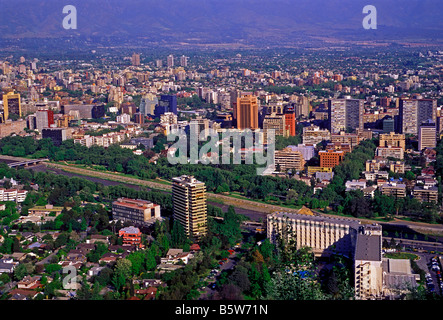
x: 131, y: 236
x: 189, y: 205
x: 425, y: 193
x: 13, y: 195
x: 393, y: 189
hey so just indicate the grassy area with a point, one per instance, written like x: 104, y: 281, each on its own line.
x: 401, y: 255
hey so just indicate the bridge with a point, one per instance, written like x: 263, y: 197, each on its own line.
x: 21, y: 162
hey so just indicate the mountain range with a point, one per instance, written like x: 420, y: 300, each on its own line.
x: 264, y: 22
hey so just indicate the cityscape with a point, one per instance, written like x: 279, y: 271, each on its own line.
x: 220, y: 166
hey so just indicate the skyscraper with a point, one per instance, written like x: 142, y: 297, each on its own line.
x: 246, y: 111
x: 11, y: 105
x: 427, y: 135
x: 167, y: 103
x: 289, y: 112
x: 345, y: 114
x: 413, y: 112
x: 189, y: 205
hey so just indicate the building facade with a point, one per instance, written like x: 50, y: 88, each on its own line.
x: 139, y: 212
x: 189, y: 205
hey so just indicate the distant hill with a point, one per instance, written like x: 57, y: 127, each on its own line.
x: 214, y: 21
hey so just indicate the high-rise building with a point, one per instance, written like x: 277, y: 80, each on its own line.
x: 345, y: 114
x: 11, y: 105
x: 167, y: 103
x: 199, y: 128
x: 135, y: 59
x: 388, y: 125
x: 189, y: 205
x: 427, y: 135
x: 302, y: 106
x: 184, y: 61
x: 290, y: 124
x: 44, y: 119
x: 170, y: 61
x: 274, y: 122
x: 413, y: 112
x: 246, y: 111
x: 148, y: 103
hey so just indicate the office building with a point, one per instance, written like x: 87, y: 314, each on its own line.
x: 11, y: 106
x: 413, y: 112
x: 392, y: 139
x: 427, y: 135
x: 301, y: 106
x: 290, y: 124
x: 148, y: 143
x: 9, y: 127
x: 148, y: 103
x: 330, y: 158
x: 189, y: 205
x: 44, y: 119
x: 246, y: 112
x: 325, y: 235
x: 352, y: 139
x: 345, y: 114
x: 84, y: 111
x: 136, y: 211
x: 288, y: 159
x: 57, y: 135
x: 368, y: 266
x: 388, y: 125
x: 307, y: 151
x: 199, y: 128
x: 167, y: 103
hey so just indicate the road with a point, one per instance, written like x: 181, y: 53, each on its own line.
x: 254, y: 210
